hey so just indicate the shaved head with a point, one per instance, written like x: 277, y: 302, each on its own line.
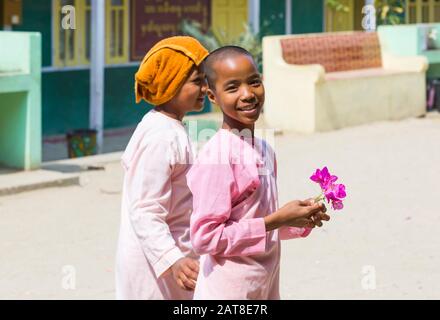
x: 219, y: 55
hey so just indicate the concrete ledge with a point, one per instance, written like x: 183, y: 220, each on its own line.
x: 83, y: 162
x: 17, y: 182
x: 53, y: 174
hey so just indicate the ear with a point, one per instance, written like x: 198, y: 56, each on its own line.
x: 211, y: 96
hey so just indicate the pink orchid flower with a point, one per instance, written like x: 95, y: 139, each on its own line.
x: 323, y: 177
x: 333, y: 192
x: 337, y: 205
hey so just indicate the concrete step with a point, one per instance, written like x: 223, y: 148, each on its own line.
x: 52, y: 174
x: 16, y: 182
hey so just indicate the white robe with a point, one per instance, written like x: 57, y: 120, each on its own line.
x: 156, y: 208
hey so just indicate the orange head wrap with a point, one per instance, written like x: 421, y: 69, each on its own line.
x: 166, y: 67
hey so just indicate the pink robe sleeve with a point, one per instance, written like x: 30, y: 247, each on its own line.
x: 287, y: 233
x: 149, y: 195
x: 212, y: 231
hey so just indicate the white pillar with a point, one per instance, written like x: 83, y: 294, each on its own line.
x: 254, y: 15
x: 288, y: 17
x: 97, y: 65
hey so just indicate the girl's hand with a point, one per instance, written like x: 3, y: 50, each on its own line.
x: 301, y: 214
x: 185, y: 272
x: 318, y: 217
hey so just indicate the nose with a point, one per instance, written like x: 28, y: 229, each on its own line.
x: 247, y: 94
x: 204, y: 87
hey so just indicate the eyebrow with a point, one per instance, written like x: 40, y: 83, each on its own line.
x: 198, y: 76
x: 236, y: 81
x: 229, y: 82
x: 255, y: 75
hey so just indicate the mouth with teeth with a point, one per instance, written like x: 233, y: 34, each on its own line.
x: 249, y: 108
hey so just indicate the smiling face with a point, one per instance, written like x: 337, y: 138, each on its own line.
x: 191, y: 95
x: 238, y: 90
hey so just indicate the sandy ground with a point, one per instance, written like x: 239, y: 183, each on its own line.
x: 60, y: 243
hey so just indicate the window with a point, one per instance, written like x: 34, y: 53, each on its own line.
x: 339, y: 20
x: 411, y: 11
x: 117, y: 31
x: 228, y: 18
x: 72, y: 47
x: 66, y: 41
x: 422, y: 11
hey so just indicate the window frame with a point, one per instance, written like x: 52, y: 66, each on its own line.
x: 80, y: 35
x: 56, y: 39
x: 125, y: 8
x: 418, y: 5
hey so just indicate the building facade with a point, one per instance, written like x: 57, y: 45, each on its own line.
x: 132, y: 26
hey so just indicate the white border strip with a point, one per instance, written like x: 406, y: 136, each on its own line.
x: 87, y: 67
x: 288, y: 17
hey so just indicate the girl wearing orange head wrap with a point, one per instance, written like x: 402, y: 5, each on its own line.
x: 155, y: 259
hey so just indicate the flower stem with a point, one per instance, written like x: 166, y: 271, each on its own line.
x: 319, y: 197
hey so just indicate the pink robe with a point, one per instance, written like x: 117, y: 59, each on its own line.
x: 156, y: 208
x: 234, y: 187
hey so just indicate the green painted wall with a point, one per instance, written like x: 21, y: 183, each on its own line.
x: 272, y: 19
x: 66, y: 100
x: 37, y: 17
x: 20, y: 99
x: 307, y: 16
x: 14, y: 105
x: 121, y: 109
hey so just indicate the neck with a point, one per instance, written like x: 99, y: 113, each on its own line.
x: 169, y: 111
x: 230, y: 124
